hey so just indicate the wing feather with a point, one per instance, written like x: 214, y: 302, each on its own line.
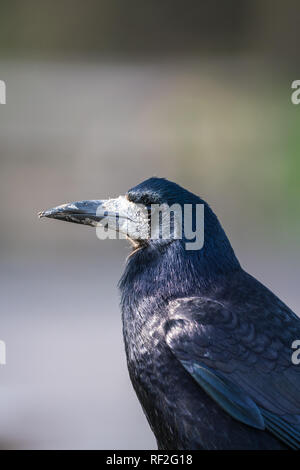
x: 243, y: 364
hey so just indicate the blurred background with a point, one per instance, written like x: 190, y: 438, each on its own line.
x: 101, y: 95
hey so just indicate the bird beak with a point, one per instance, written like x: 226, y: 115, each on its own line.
x: 80, y: 212
x: 120, y: 215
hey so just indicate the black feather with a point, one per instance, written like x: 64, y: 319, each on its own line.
x: 208, y: 346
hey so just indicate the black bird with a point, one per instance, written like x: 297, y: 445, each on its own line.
x: 209, y: 348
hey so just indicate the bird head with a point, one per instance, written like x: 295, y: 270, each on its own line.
x: 139, y: 216
x: 133, y: 215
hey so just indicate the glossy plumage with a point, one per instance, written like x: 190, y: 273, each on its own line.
x: 208, y: 346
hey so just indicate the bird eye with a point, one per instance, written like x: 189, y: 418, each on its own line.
x: 147, y: 201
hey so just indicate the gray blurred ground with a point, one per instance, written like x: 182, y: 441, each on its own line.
x: 83, y: 130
